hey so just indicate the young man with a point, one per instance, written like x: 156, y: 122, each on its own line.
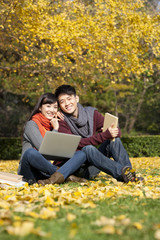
x: 88, y: 122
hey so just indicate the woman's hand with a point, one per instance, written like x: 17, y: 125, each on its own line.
x: 54, y: 122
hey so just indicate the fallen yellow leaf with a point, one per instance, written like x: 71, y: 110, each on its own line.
x: 20, y: 229
x: 108, y: 229
x: 71, y: 217
x: 104, y: 221
x: 157, y: 234
x: 138, y: 225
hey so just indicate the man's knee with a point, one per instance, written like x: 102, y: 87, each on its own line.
x: 80, y: 153
x: 88, y: 149
x: 117, y: 141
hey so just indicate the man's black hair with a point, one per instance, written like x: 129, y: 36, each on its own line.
x: 65, y: 89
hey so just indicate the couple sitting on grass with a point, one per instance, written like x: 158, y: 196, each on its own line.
x: 73, y: 118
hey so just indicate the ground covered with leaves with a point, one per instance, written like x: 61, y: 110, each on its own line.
x: 99, y: 209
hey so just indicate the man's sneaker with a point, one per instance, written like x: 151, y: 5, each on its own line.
x: 129, y: 175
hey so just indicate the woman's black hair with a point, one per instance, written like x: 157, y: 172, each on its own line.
x: 44, y: 99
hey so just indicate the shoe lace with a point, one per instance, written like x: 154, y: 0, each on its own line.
x: 130, y: 176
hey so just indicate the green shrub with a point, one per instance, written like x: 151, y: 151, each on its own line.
x: 143, y: 146
x: 10, y: 148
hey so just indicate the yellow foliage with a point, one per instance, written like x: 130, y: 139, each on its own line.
x: 71, y: 39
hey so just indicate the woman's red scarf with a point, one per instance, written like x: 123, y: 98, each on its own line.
x: 42, y: 122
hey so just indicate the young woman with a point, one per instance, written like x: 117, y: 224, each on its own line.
x: 33, y: 166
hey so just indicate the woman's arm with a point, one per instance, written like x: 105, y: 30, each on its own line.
x: 32, y: 134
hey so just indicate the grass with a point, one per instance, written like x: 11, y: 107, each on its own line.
x: 137, y: 210
x: 102, y: 209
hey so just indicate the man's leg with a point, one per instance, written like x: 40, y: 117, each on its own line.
x: 99, y: 160
x: 116, y: 150
x: 104, y: 163
x: 87, y: 171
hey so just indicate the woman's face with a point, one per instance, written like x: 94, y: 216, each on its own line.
x: 49, y: 109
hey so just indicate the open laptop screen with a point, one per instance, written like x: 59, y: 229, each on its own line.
x: 59, y: 146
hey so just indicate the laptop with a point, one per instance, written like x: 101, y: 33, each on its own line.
x: 59, y: 146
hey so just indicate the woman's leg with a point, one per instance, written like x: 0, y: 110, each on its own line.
x: 34, y: 166
x: 66, y: 169
x: 72, y: 164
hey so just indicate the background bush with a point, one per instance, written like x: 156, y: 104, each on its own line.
x: 10, y: 148
x: 143, y: 146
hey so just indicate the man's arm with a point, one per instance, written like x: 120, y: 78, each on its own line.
x: 64, y: 127
x: 95, y: 139
x: 98, y: 122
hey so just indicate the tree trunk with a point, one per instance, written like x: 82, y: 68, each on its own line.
x: 137, y: 111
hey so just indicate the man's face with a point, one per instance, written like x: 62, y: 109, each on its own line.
x: 68, y: 104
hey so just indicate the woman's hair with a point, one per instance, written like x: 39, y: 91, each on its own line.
x: 44, y: 99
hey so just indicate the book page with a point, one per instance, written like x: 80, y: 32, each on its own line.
x: 16, y: 184
x: 10, y: 177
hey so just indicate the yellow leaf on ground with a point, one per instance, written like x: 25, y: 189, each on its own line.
x: 71, y: 217
x: 33, y: 214
x: 41, y: 233
x: 120, y: 217
x: 108, y: 229
x: 104, y: 221
x: 47, y: 213
x: 138, y: 225
x: 157, y: 234
x: 49, y: 201
x: 73, y: 230
x: 20, y: 229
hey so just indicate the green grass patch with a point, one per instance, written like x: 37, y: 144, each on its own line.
x: 144, y: 212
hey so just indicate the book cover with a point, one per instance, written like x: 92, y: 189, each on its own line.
x: 109, y: 119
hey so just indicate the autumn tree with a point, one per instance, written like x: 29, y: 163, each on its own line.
x: 93, y: 45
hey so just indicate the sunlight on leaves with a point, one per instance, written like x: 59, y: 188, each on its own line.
x: 44, y: 202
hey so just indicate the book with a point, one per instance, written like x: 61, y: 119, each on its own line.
x: 109, y: 119
x: 11, y: 183
x: 10, y: 177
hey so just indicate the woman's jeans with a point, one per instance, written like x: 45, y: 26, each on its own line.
x: 100, y: 158
x: 34, y: 166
